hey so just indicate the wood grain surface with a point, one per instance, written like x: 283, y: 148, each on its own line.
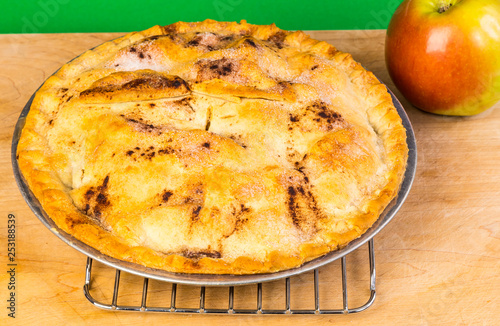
x: 438, y: 261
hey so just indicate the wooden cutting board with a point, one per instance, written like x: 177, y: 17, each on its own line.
x: 438, y: 261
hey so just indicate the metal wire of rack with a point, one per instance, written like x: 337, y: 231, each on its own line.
x: 201, y: 308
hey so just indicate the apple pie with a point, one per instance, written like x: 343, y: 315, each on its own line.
x: 213, y: 148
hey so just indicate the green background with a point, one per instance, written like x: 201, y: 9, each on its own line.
x: 69, y: 16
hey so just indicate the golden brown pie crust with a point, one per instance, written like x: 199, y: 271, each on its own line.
x: 213, y: 147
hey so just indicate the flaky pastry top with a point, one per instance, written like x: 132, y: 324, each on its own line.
x: 213, y: 147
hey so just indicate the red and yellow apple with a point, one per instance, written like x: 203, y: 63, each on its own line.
x: 444, y: 55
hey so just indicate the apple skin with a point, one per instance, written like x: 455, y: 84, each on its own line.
x: 446, y: 63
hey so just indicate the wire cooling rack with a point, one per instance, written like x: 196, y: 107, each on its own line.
x: 201, y: 306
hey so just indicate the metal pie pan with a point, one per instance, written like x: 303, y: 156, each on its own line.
x: 219, y: 280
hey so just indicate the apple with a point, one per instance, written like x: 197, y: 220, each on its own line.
x: 444, y: 55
